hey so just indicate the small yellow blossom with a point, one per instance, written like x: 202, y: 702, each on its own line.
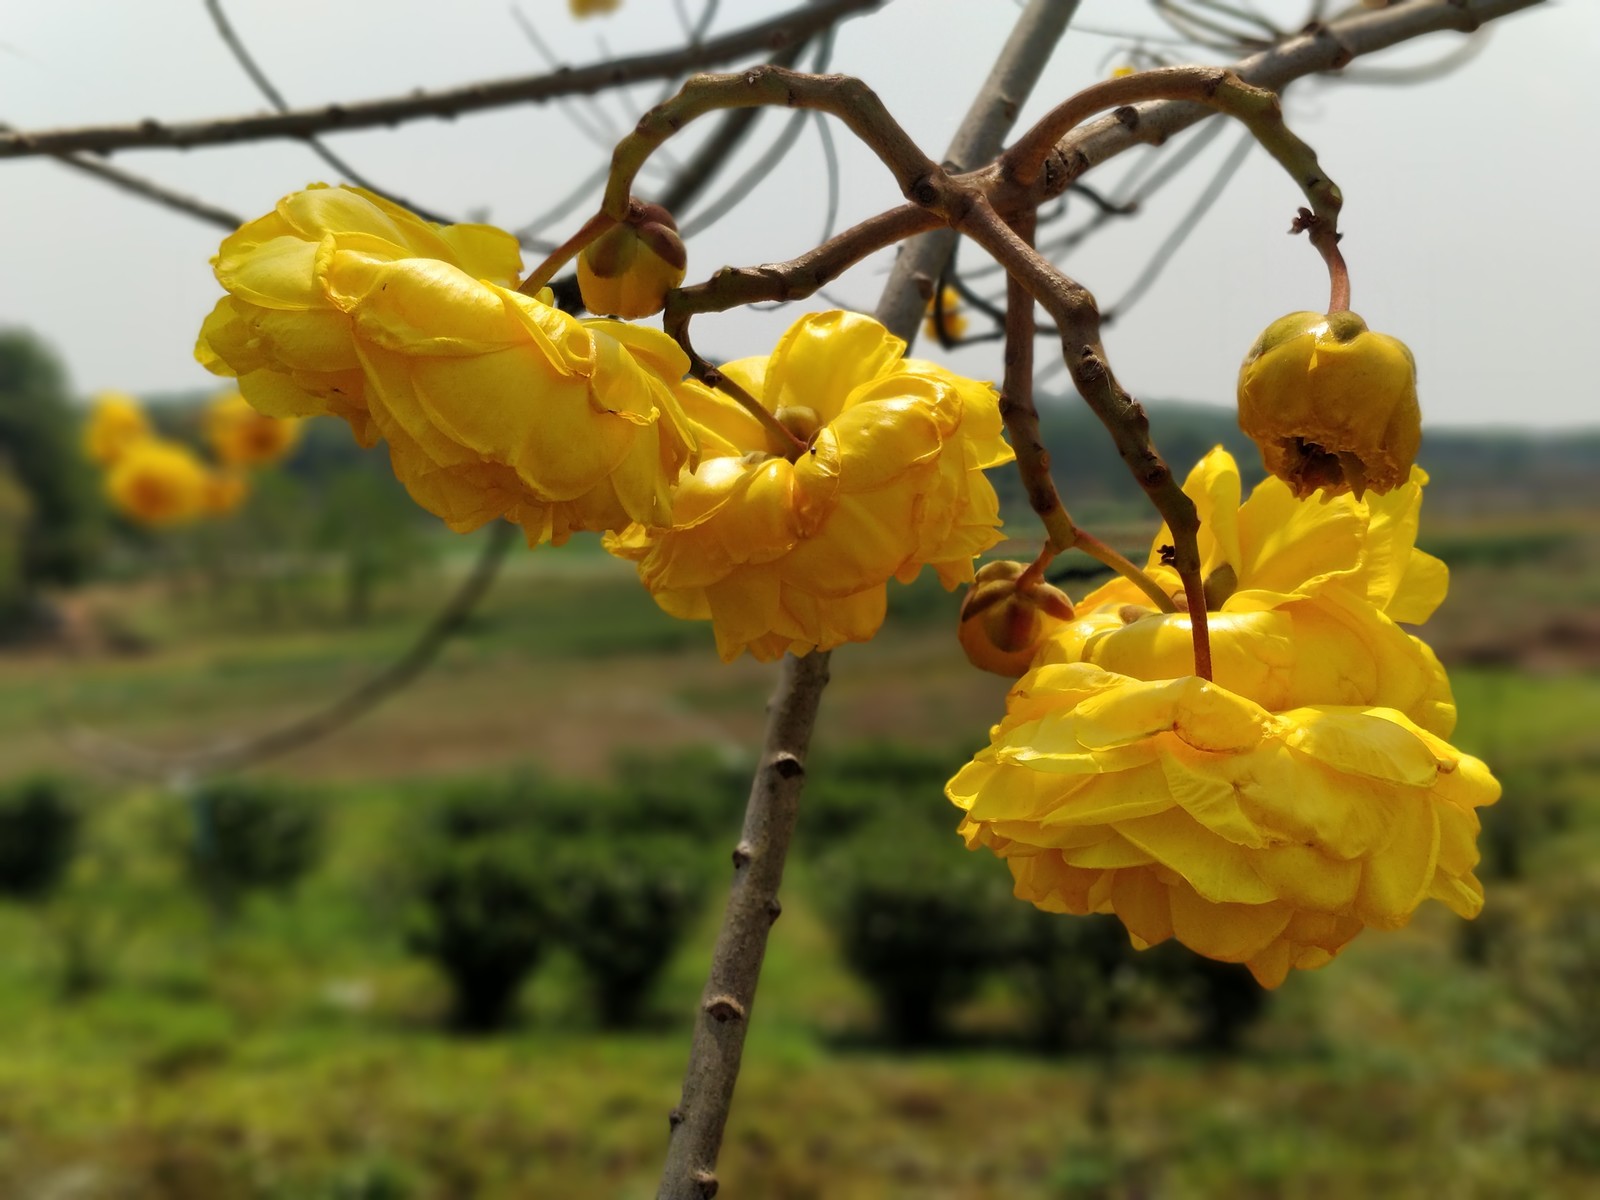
x: 1330, y: 404
x: 156, y: 482
x: 629, y: 269
x: 949, y: 311
x: 1267, y: 838
x: 225, y: 492
x: 795, y: 555
x: 116, y: 423
x: 588, y: 8
x: 281, y: 333
x: 240, y: 436
x: 1006, y: 615
x: 1304, y: 601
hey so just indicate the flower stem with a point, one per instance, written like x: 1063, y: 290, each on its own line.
x: 565, y: 253
x: 1095, y: 548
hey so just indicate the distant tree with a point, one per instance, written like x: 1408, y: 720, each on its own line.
x: 39, y: 445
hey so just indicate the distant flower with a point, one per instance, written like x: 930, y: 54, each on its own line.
x: 589, y: 8
x: 240, y: 436
x: 158, y: 483
x: 225, y: 492
x: 281, y: 332
x: 1266, y: 838
x: 948, y: 305
x: 795, y: 556
x: 1330, y: 404
x: 116, y: 423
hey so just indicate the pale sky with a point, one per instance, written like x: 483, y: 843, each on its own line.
x: 1468, y: 218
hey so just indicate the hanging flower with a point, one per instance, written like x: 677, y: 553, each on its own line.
x: 1330, y: 404
x: 629, y: 269
x: 240, y: 436
x: 156, y: 482
x: 945, y: 310
x: 1265, y: 838
x: 496, y: 404
x: 1303, y: 600
x: 116, y: 423
x: 280, y: 332
x: 795, y: 556
x: 1006, y: 615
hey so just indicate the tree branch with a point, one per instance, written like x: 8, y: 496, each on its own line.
x: 722, y: 1021
x: 146, y: 763
x: 783, y: 30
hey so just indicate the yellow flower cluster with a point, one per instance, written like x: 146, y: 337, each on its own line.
x: 493, y: 404
x: 156, y: 481
x: 785, y: 555
x: 1269, y: 816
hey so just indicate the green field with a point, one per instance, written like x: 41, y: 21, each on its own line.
x: 295, y: 1050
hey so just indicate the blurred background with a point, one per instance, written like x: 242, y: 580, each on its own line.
x: 452, y: 949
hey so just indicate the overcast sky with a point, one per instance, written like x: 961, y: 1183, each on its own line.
x: 1469, y: 200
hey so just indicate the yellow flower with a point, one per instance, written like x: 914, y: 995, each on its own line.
x: 496, y: 404
x: 628, y: 270
x: 1265, y: 838
x: 242, y: 437
x: 156, y: 482
x: 1330, y: 404
x: 225, y: 492
x: 280, y: 332
x: 116, y: 423
x: 588, y: 8
x: 1004, y: 621
x: 1303, y: 602
x: 795, y: 556
x: 949, y: 309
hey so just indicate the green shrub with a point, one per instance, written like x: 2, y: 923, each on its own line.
x: 1072, y: 973
x: 626, y: 902
x: 871, y: 781
x: 697, y: 791
x: 919, y: 919
x: 482, y: 913
x: 39, y: 827
x: 252, y: 836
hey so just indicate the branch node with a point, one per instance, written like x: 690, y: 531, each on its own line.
x: 787, y: 765
x: 1128, y: 116
x: 675, y: 1117
x: 723, y: 1009
x: 705, y: 1183
x: 742, y: 855
x: 774, y: 910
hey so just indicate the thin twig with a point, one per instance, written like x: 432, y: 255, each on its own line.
x: 796, y: 25
x: 144, y: 762
x: 264, y: 85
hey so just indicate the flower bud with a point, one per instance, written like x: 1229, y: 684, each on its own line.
x: 1004, y: 621
x: 628, y: 270
x: 1331, y: 405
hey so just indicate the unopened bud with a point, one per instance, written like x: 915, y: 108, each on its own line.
x: 628, y: 270
x: 1331, y: 405
x: 1004, y: 620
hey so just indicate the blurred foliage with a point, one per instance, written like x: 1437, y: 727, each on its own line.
x: 39, y: 827
x: 251, y: 836
x: 39, y: 447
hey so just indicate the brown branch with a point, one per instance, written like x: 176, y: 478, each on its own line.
x: 842, y: 96
x: 1033, y: 39
x: 722, y: 1021
x: 1078, y: 319
x: 264, y: 85
x: 143, y: 762
x: 797, y: 25
x: 1322, y: 48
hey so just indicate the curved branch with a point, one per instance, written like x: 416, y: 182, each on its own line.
x: 796, y: 25
x: 247, y: 63
x: 143, y: 762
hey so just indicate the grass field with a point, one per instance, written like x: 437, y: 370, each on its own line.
x: 296, y: 1053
